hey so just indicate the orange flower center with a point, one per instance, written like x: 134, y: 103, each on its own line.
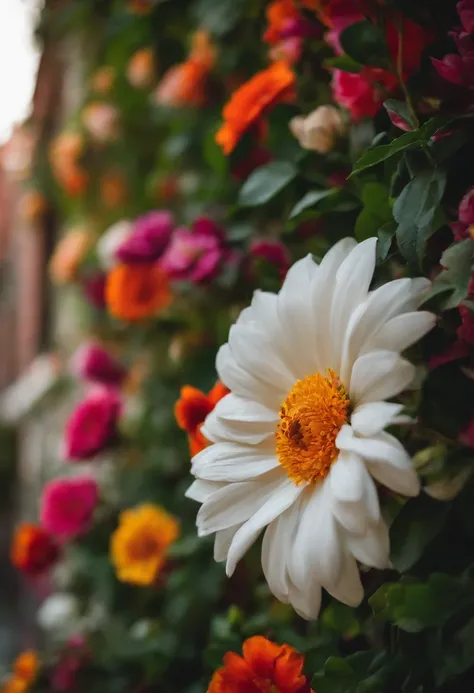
x: 265, y: 686
x: 310, y: 418
x: 143, y: 547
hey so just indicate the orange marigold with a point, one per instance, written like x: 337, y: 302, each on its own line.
x: 14, y: 685
x: 139, y: 544
x: 246, y: 106
x: 264, y: 668
x: 33, y: 551
x: 136, y: 292
x: 69, y: 254
x: 191, y: 410
x: 185, y: 84
x: 26, y: 665
x: 279, y: 14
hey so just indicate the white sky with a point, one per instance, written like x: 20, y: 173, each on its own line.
x: 18, y: 62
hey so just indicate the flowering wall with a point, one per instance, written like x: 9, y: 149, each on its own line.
x: 267, y: 213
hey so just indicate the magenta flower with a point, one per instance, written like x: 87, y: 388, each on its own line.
x: 196, y: 254
x: 67, y: 506
x: 465, y: 10
x: 458, y: 68
x: 92, y: 425
x: 272, y: 253
x: 150, y: 236
x: 91, y: 362
x: 93, y: 287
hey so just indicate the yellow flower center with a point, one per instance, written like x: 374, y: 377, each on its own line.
x: 143, y: 547
x: 310, y: 418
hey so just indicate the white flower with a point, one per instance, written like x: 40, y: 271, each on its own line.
x: 110, y: 242
x: 59, y: 613
x: 319, y: 130
x: 300, y: 440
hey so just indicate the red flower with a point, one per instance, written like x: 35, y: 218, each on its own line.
x: 264, y: 668
x: 360, y: 93
x: 191, y: 411
x: 92, y: 426
x: 33, y: 550
x: 271, y: 252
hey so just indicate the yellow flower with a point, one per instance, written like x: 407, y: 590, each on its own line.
x: 138, y: 545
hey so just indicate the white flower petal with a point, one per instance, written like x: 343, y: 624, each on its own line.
x: 379, y: 375
x: 385, y: 458
x: 373, y: 547
x: 402, y: 331
x: 236, y: 502
x: 306, y: 602
x: 276, y: 548
x: 241, y: 420
x: 347, y: 477
x: 223, y: 541
x: 348, y: 588
x: 352, y: 284
x: 316, y: 554
x: 259, y: 356
x: 243, y: 383
x: 201, y: 490
x: 226, y: 462
x: 281, y: 499
x: 371, y: 418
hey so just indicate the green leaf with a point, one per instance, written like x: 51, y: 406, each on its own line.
x: 414, y: 606
x: 344, y: 63
x: 366, y: 44
x: 310, y: 200
x: 338, y: 677
x: 401, y: 110
x: 409, y: 140
x: 415, y: 526
x: 415, y: 211
x: 266, y: 182
x: 376, y: 211
x: 458, y: 262
x: 385, y: 236
x: 458, y: 655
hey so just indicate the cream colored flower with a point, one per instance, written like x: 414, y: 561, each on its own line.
x: 319, y: 130
x: 110, y: 242
x: 300, y: 441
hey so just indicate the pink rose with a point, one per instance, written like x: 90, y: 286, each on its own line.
x: 150, y: 236
x: 91, y: 362
x: 67, y: 506
x: 196, y: 254
x: 92, y: 425
x: 466, y: 208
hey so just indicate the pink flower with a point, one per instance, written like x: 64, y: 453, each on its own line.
x: 92, y: 425
x: 458, y: 68
x: 64, y: 674
x: 467, y: 436
x: 67, y: 506
x: 196, y: 254
x: 91, y: 362
x: 93, y: 287
x: 358, y: 92
x: 150, y: 236
x: 272, y: 253
x: 465, y: 10
x: 466, y: 208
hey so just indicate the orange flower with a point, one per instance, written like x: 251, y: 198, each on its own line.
x: 26, y: 666
x: 185, y: 84
x: 191, y: 410
x: 279, y: 14
x: 136, y: 292
x: 64, y: 154
x: 14, y: 685
x: 113, y: 189
x: 264, y: 668
x: 103, y: 79
x: 247, y: 105
x: 33, y: 551
x: 139, y: 544
x: 33, y: 206
x: 69, y: 254
x: 141, y: 68
x: 141, y: 6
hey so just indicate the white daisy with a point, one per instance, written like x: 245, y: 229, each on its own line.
x: 300, y: 440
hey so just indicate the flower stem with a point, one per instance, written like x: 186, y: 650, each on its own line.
x: 399, y: 69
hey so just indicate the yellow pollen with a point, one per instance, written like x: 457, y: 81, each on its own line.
x: 310, y: 418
